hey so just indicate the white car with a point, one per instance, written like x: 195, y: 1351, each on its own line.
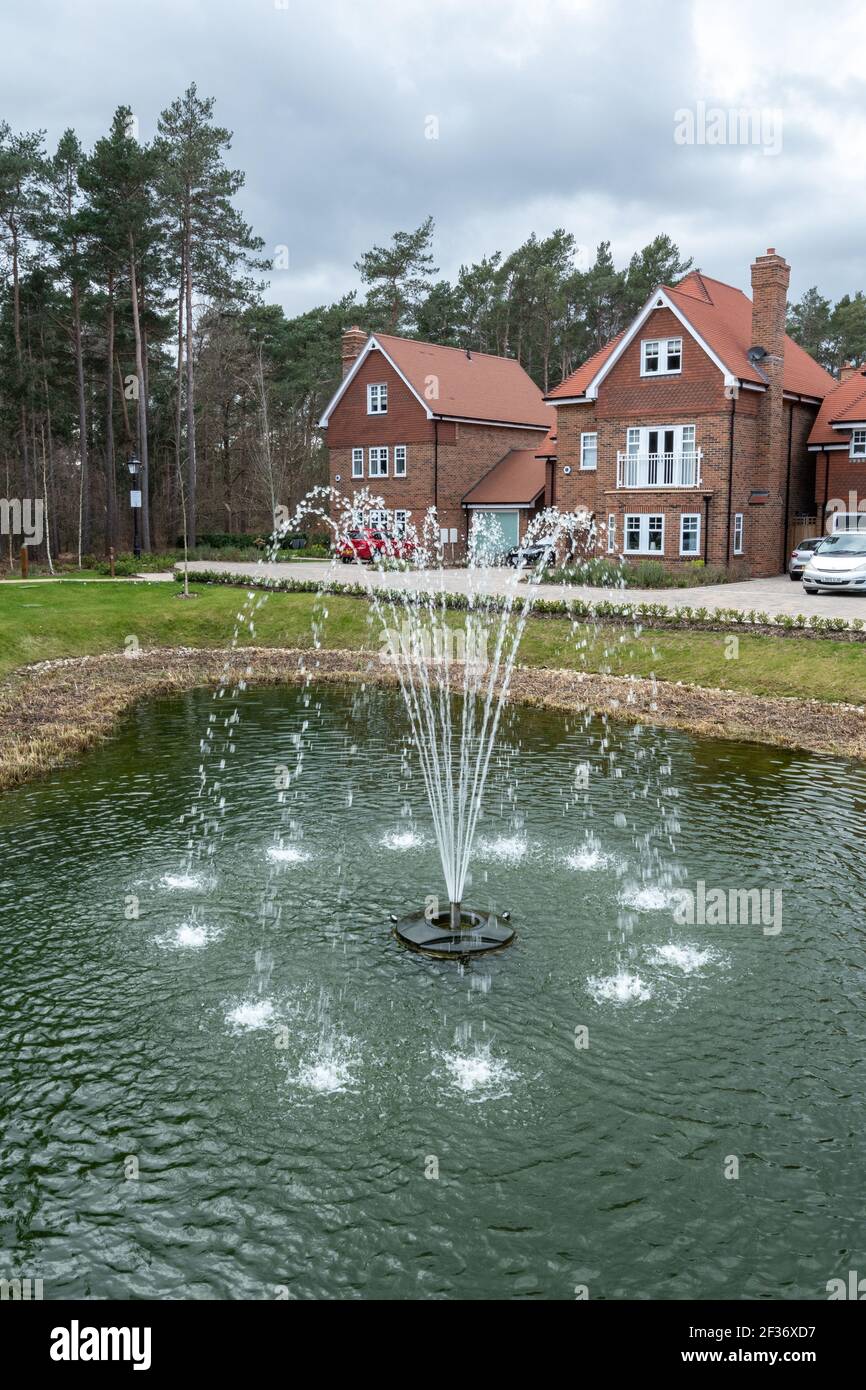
x: 838, y: 563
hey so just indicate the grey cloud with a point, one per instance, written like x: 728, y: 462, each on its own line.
x: 547, y: 110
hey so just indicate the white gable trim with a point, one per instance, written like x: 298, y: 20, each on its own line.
x: 849, y: 425
x: 657, y: 300
x: 500, y: 424
x: 371, y: 345
x: 826, y: 448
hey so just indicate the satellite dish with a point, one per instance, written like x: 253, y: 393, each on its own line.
x: 756, y: 354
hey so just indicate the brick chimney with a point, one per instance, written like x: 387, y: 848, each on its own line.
x: 352, y: 343
x: 770, y: 276
x: 849, y: 369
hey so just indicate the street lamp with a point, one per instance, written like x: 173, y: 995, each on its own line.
x: 135, y: 502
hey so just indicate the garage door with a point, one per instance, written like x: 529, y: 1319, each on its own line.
x: 497, y: 531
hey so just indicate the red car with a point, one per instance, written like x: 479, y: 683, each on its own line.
x: 368, y: 544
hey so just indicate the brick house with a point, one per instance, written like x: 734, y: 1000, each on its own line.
x: 687, y: 435
x: 419, y: 425
x: 838, y: 441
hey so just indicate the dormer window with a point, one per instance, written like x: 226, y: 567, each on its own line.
x: 377, y: 399
x: 858, y: 444
x: 661, y: 356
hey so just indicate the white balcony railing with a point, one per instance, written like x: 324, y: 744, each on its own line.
x: 659, y: 470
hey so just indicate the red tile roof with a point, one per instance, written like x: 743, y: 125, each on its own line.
x: 722, y: 316
x: 846, y: 403
x: 473, y: 385
x: 516, y: 481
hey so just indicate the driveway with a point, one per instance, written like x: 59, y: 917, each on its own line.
x: 777, y: 596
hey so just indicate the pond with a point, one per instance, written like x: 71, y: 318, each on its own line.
x: 231, y: 1081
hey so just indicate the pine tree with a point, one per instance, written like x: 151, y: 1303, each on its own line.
x: 211, y: 241
x: 399, y: 276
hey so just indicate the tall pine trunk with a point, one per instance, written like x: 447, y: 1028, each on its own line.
x: 190, y: 398
x: 111, y: 532
x: 142, y: 403
x: 83, y: 480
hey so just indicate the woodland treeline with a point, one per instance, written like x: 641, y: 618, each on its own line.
x: 133, y: 323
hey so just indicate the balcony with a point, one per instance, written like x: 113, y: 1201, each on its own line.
x: 659, y: 470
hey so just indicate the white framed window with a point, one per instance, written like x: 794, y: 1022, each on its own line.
x: 377, y: 399
x: 690, y: 533
x: 661, y: 356
x: 738, y: 533
x: 379, y: 462
x: 401, y: 522
x: 611, y: 533
x: 378, y: 520
x: 858, y: 444
x: 650, y: 357
x: 588, y: 451
x: 645, y: 535
x: 357, y: 463
x: 400, y: 455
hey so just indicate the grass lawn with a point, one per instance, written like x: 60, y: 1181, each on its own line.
x: 45, y: 621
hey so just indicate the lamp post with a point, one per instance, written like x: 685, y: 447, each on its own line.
x: 134, y: 502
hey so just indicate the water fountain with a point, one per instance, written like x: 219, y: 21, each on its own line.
x: 454, y: 682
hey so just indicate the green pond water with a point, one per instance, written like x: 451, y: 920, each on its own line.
x: 250, y: 1090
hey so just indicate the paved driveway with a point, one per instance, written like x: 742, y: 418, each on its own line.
x: 775, y: 596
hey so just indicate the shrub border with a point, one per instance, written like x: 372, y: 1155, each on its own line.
x: 653, y: 615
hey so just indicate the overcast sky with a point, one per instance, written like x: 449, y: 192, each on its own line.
x: 550, y: 113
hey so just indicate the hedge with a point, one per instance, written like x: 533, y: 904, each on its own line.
x: 641, y: 614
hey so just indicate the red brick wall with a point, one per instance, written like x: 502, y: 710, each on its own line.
x: 465, y: 452
x: 695, y: 396
x: 846, y: 476
x: 404, y: 423
x: 699, y: 387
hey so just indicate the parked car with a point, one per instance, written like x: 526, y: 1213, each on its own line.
x: 538, y: 552
x: 801, y: 555
x: 368, y: 544
x: 838, y: 563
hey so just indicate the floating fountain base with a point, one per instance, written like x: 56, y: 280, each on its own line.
x: 477, y: 934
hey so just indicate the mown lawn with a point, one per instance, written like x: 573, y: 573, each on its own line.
x: 45, y: 621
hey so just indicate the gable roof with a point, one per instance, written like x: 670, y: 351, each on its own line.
x: 516, y: 480
x: 720, y: 317
x: 470, y: 385
x: 843, y: 406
